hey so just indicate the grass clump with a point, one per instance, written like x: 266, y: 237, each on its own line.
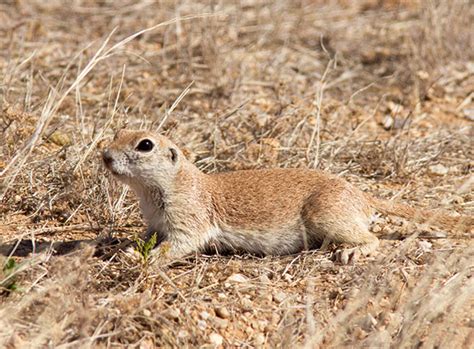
x: 9, y: 280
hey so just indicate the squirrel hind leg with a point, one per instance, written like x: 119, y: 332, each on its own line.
x: 344, y: 222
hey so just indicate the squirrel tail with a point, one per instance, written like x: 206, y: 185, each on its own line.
x: 431, y: 217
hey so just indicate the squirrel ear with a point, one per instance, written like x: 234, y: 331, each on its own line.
x: 173, y: 155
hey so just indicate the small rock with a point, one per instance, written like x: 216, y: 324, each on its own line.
x: 255, y: 325
x: 259, y: 339
x: 438, y: 170
x: 216, y: 339
x: 173, y: 313
x: 468, y: 113
x: 201, y: 324
x: 263, y: 324
x: 183, y: 334
x: 279, y: 296
x: 264, y: 279
x: 222, y: 312
x: 146, y: 313
x: 388, y: 122
x: 238, y: 278
x: 262, y: 119
x: 221, y: 323
x: 422, y: 74
x: 275, y: 319
x: 221, y: 295
x: 60, y: 139
x: 204, y: 315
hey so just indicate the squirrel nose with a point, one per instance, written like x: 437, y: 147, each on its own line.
x: 107, y: 157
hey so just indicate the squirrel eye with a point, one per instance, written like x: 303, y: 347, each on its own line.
x: 145, y: 145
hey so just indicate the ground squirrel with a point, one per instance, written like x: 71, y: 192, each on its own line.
x: 264, y: 212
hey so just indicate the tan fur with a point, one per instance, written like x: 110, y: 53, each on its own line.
x: 275, y: 211
x: 436, y: 218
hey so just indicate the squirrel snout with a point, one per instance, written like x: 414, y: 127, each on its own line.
x: 107, y: 157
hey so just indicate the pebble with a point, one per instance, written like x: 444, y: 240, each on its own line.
x: 201, y: 324
x: 263, y: 324
x: 279, y: 296
x: 438, y: 170
x: 239, y: 278
x: 173, y: 313
x: 221, y: 323
x: 259, y: 339
x: 388, y: 122
x: 204, y: 315
x: 275, y: 319
x: 469, y: 113
x: 183, y: 334
x: 221, y: 295
x: 222, y: 312
x: 216, y: 339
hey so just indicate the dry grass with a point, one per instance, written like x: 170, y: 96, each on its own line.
x: 377, y: 91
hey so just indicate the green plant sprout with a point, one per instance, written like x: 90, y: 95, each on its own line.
x: 144, y: 247
x: 9, y: 281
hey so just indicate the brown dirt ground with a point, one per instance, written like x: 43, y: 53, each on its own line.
x: 380, y: 92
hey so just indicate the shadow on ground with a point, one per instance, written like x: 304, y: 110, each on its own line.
x: 25, y: 247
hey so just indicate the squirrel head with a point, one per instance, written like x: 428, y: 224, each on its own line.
x: 142, y: 157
